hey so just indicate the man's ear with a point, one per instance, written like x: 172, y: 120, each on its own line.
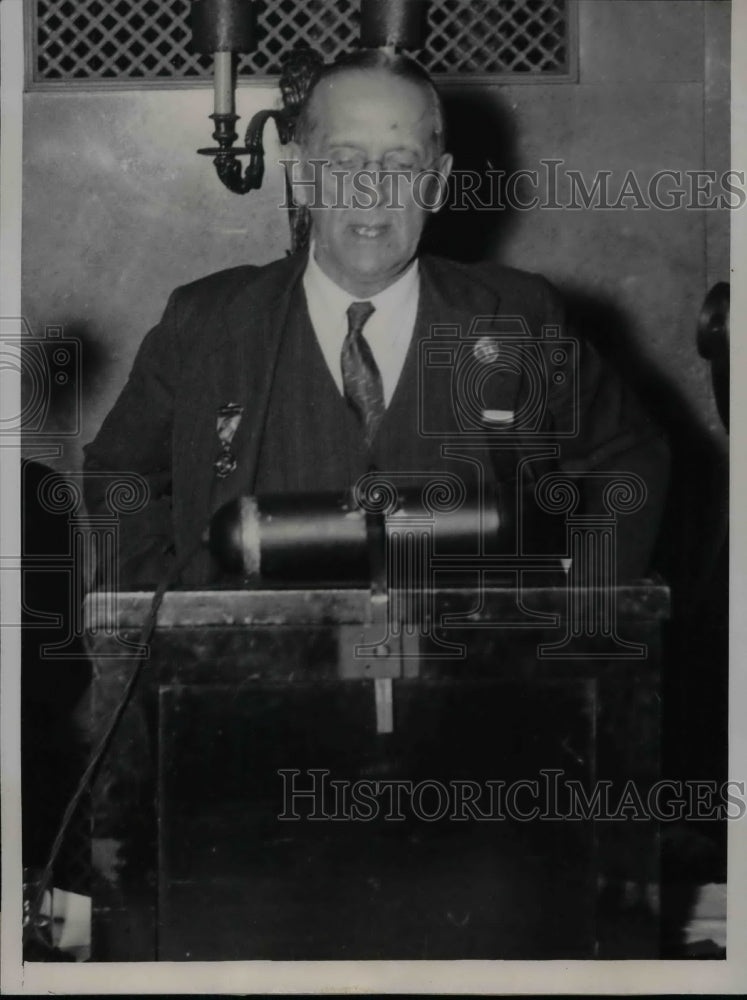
x: 440, y: 171
x: 444, y: 164
x: 297, y: 170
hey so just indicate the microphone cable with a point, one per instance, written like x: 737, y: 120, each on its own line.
x: 144, y: 636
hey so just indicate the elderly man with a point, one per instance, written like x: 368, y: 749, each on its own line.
x: 302, y: 375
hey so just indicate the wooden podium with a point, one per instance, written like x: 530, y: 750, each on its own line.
x: 222, y: 809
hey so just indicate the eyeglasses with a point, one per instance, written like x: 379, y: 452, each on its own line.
x: 352, y: 161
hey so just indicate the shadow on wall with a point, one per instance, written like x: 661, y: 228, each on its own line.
x: 482, y: 135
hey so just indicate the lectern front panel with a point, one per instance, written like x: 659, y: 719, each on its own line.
x: 396, y: 800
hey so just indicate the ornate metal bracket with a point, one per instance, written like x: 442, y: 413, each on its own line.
x: 300, y: 69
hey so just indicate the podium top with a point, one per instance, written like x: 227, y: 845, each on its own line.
x: 640, y: 601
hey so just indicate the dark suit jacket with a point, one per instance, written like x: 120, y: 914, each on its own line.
x: 218, y: 342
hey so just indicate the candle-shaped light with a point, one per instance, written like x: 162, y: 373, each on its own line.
x: 223, y: 84
x: 222, y: 28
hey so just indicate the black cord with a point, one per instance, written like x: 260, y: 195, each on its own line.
x: 96, y: 757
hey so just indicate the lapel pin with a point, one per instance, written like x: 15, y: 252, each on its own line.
x: 486, y: 350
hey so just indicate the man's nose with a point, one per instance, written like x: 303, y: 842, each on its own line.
x: 376, y: 168
x: 378, y: 175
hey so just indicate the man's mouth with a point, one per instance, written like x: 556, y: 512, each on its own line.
x: 369, y: 232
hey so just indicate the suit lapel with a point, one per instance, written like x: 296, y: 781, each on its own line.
x: 457, y: 298
x: 238, y: 367
x: 454, y: 294
x: 254, y: 323
x: 451, y: 300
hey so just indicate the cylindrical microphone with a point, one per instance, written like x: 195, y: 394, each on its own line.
x: 331, y: 537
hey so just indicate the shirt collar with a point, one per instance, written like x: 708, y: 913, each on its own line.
x: 337, y: 300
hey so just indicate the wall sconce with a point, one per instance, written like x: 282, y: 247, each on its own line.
x: 224, y: 28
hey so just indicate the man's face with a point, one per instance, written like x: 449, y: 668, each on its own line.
x: 374, y: 119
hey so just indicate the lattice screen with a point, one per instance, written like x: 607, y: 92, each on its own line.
x: 141, y: 40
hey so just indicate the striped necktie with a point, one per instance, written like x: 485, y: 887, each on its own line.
x: 361, y: 378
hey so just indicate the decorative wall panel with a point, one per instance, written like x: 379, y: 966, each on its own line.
x: 100, y: 42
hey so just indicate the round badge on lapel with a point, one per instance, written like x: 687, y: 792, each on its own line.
x: 486, y: 350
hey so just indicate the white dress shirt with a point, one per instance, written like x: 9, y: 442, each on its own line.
x: 388, y: 331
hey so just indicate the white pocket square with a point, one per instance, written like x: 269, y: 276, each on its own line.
x: 498, y: 416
